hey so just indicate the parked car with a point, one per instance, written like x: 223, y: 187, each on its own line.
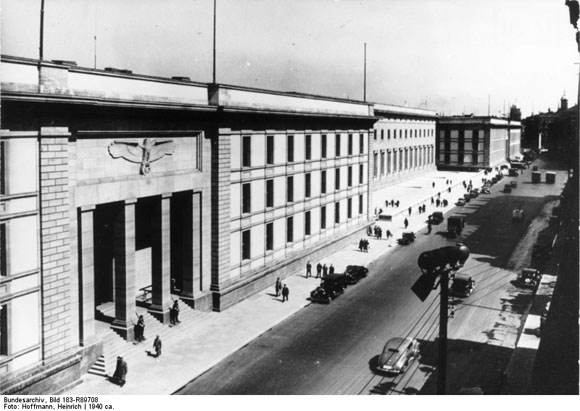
x: 462, y: 285
x: 436, y: 217
x: 513, y: 172
x: 321, y: 295
x: 473, y: 193
x: 407, y: 238
x: 529, y: 277
x: 355, y: 273
x: 398, y: 354
x: 460, y: 202
x: 336, y: 281
x: 485, y: 190
x: 455, y: 225
x: 514, y: 184
x: 507, y: 188
x: 466, y: 197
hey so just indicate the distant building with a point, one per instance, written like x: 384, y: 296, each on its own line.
x: 470, y: 143
x: 536, y: 128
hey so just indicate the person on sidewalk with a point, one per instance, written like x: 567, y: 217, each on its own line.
x: 429, y: 227
x: 278, y: 286
x: 324, y: 270
x: 285, y: 293
x: 433, y: 185
x: 409, y: 210
x: 406, y: 222
x: 139, y: 329
x: 174, y: 313
x: 157, y: 346
x: 318, y: 270
x: 308, y: 269
x: 120, y: 372
x: 331, y: 269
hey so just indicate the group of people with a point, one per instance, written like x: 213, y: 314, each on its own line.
x: 283, y: 289
x: 392, y: 203
x: 363, y: 245
x: 321, y: 270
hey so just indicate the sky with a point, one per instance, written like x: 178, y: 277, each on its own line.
x: 451, y: 56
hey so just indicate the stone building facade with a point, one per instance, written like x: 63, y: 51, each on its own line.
x: 468, y: 142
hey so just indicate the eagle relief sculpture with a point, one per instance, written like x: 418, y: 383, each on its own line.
x: 145, y: 153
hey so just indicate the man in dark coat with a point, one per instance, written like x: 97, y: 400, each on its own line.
x: 120, y: 371
x: 318, y: 270
x: 157, y: 346
x: 308, y: 269
x: 285, y: 293
x: 324, y: 270
x: 278, y: 286
x: 406, y: 222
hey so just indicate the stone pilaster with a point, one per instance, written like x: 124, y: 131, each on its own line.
x: 55, y: 241
x: 161, y: 253
x: 86, y: 274
x: 124, y: 233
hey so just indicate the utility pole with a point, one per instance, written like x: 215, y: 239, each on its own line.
x: 41, y: 45
x: 214, y: 38
x: 365, y: 75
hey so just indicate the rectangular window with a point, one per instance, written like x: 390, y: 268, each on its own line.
x: 323, y: 146
x: 382, y: 134
x: 349, y: 208
x: 350, y: 142
x: 246, y: 246
x: 289, y: 229
x: 246, y: 151
x: 350, y: 176
x: 382, y: 162
x: 375, y: 163
x: 290, y: 149
x: 360, y: 204
x: 308, y: 154
x: 395, y: 133
x: 3, y: 250
x: 361, y: 173
x: 269, y: 193
x: 246, y: 198
x: 337, y: 145
x: 336, y: 213
x: 375, y: 135
x: 388, y: 134
x: 290, y: 189
x: 269, y: 236
x: 337, y: 178
x: 270, y: 150
x: 405, y: 133
x: 307, y: 223
x: 361, y: 143
x: 323, y: 217
x: 323, y: 182
x: 307, y: 185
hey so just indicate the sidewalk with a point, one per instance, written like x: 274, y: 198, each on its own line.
x: 221, y: 334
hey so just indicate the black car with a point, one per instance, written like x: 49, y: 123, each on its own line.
x: 407, y: 238
x: 355, y: 272
x: 330, y: 287
x: 320, y: 295
x: 436, y: 218
x: 462, y: 285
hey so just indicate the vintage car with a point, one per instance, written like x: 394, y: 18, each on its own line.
x: 485, y: 190
x: 320, y: 295
x: 507, y: 188
x: 398, y: 354
x: 336, y: 281
x: 330, y: 287
x: 466, y: 197
x: 514, y: 184
x: 462, y: 286
x: 474, y: 193
x: 355, y: 273
x: 436, y: 217
x: 513, y: 172
x: 460, y: 202
x: 529, y: 277
x: 407, y: 238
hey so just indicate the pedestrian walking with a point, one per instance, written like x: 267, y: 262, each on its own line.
x: 437, y: 203
x: 409, y: 210
x: 285, y: 293
x: 120, y: 371
x: 433, y: 185
x: 324, y: 270
x: 319, y: 269
x: 397, y: 203
x: 157, y: 346
x: 392, y: 203
x: 406, y: 222
x: 429, y: 227
x: 331, y: 269
x: 308, y: 269
x: 278, y: 286
x: 389, y: 234
x: 432, y: 201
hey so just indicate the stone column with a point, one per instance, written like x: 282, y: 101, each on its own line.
x: 192, y: 249
x: 124, y: 235
x: 161, y: 254
x: 86, y: 274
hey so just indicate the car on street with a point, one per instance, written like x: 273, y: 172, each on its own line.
x: 507, y: 188
x: 398, y: 354
x: 462, y: 285
x: 406, y: 238
x: 436, y: 217
x: 514, y: 184
x: 485, y: 190
x: 474, y: 193
x: 455, y: 225
x: 466, y: 197
x: 355, y: 273
x: 330, y: 287
x: 460, y: 202
x: 321, y: 295
x: 529, y: 278
x: 513, y: 172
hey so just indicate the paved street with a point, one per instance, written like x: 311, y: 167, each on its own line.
x: 332, y: 349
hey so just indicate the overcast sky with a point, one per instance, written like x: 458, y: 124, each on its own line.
x: 446, y: 55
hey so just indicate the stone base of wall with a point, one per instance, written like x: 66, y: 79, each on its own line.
x: 46, y: 379
x: 200, y: 303
x: 90, y: 354
x: 264, y: 278
x: 462, y: 168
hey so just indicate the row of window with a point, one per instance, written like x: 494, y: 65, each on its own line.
x: 401, y: 159
x: 291, y: 151
x: 247, y: 238
x: 406, y: 133
x: 290, y: 190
